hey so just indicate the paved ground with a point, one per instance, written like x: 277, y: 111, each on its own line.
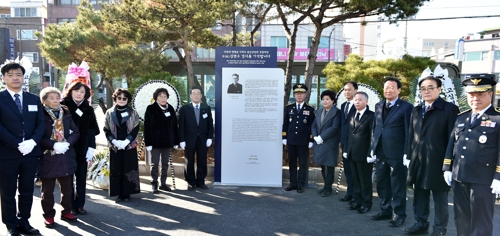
x: 223, y: 210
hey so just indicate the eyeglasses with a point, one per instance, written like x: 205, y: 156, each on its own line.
x: 121, y: 98
x: 430, y: 89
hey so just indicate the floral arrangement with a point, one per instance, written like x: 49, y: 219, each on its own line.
x: 143, y: 96
x: 99, y: 169
x: 373, y: 96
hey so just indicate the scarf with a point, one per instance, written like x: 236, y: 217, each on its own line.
x: 133, y: 120
x: 57, y: 127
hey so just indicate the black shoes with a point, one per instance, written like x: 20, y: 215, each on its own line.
x: 417, y: 229
x: 202, y: 186
x: 363, y: 210
x: 321, y: 190
x: 381, y: 216
x: 154, y: 187
x: 290, y: 188
x: 346, y: 198
x: 165, y: 188
x: 354, y: 207
x: 397, y: 221
x: 79, y: 211
x: 191, y: 187
x: 12, y: 232
x: 436, y: 232
x: 26, y: 230
x: 300, y: 190
x: 326, y: 193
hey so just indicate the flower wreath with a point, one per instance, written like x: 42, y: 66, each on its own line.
x: 143, y: 96
x: 373, y: 96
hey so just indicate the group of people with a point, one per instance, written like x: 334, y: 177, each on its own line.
x: 52, y: 137
x: 430, y: 148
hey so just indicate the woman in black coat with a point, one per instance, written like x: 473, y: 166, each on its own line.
x: 160, y: 135
x: 84, y: 117
x: 58, y: 161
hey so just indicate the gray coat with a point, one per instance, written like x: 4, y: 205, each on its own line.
x: 327, y: 153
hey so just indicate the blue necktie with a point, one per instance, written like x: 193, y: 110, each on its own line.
x: 18, y: 103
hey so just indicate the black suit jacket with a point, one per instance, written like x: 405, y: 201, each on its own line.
x: 15, y: 126
x: 189, y: 131
x: 393, y: 132
x: 238, y: 88
x: 359, y: 135
x: 297, y: 125
x: 344, y: 121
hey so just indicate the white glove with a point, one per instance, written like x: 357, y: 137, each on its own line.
x: 310, y: 145
x: 149, y: 148
x: 90, y: 154
x: 318, y: 140
x: 116, y: 143
x: 61, y: 147
x: 183, y: 145
x: 209, y: 142
x: 125, y: 143
x: 284, y: 141
x: 176, y: 146
x: 371, y: 159
x: 27, y: 146
x: 406, y: 162
x: 495, y: 186
x: 447, y: 177
x: 344, y: 155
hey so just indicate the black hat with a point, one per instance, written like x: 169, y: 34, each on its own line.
x: 479, y: 82
x: 299, y: 88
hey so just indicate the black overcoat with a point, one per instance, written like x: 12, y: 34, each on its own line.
x: 427, y: 142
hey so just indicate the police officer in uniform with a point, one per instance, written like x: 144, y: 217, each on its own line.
x: 472, y: 161
x: 297, y: 136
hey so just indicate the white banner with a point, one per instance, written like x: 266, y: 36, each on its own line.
x: 251, y: 148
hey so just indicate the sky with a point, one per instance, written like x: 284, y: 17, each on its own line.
x: 449, y: 29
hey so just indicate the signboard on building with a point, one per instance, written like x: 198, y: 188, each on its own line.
x: 12, y: 54
x: 302, y: 53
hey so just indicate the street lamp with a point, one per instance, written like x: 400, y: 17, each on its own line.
x: 329, y: 43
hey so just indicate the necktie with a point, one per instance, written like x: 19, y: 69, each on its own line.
x: 474, y: 117
x: 197, y: 114
x: 298, y: 108
x: 388, y: 104
x: 346, y: 108
x: 357, y: 116
x: 18, y: 103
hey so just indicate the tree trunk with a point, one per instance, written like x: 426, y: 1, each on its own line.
x: 187, y: 62
x: 234, y: 29
x: 311, y: 59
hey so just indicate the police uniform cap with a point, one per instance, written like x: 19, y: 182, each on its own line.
x: 299, y: 88
x: 479, y: 83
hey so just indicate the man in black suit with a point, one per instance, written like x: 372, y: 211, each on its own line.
x: 196, y: 131
x: 347, y: 112
x: 472, y: 161
x: 390, y: 135
x: 431, y: 124
x: 357, y: 149
x: 235, y: 87
x: 297, y: 122
x: 21, y: 129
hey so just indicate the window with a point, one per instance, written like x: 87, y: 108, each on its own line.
x: 323, y: 42
x: 4, y: 15
x: 203, y: 53
x: 496, y: 55
x: 429, y: 44
x: 476, y: 56
x: 61, y: 21
x: 25, y: 12
x: 379, y: 26
x: 279, y: 41
x: 95, y: 2
x: 378, y: 35
x: 217, y: 25
x: 33, y: 56
x: 69, y: 2
x: 27, y: 35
